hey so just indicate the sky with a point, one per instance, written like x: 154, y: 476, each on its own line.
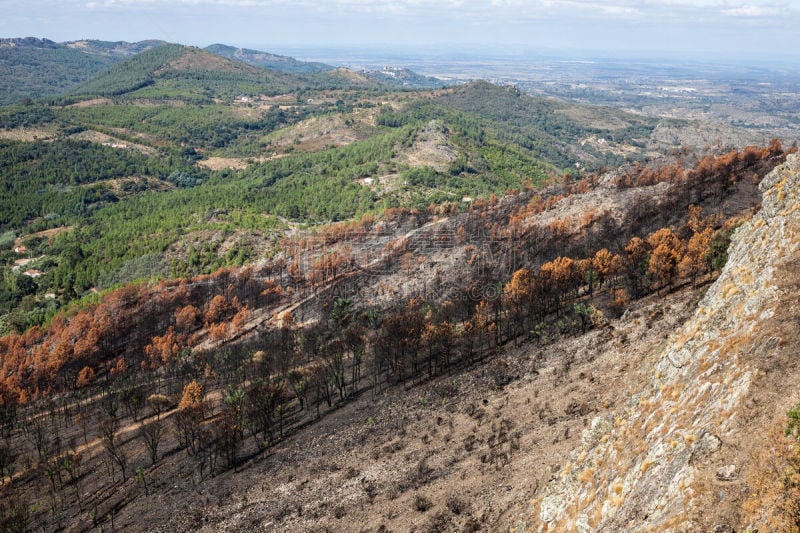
x: 705, y: 28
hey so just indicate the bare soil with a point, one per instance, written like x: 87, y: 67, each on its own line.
x: 92, y: 102
x: 100, y: 138
x: 464, y: 452
x: 222, y: 163
x: 48, y: 233
x: 431, y: 148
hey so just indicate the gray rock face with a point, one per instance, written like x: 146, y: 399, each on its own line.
x: 643, y: 460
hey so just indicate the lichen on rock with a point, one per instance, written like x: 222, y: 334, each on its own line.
x: 646, y: 463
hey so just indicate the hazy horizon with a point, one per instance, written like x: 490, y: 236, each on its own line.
x: 705, y: 30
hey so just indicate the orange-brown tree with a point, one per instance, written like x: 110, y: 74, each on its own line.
x: 696, y: 260
x: 607, y: 266
x: 188, y: 419
x: 187, y: 318
x: 217, y: 309
x: 666, y: 255
x: 636, y: 267
x: 518, y: 295
x: 85, y: 377
x: 163, y: 349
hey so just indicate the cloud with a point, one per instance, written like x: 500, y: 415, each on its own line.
x: 620, y: 9
x: 634, y: 24
x: 537, y: 8
x: 753, y: 11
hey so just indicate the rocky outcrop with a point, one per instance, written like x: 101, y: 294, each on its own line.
x: 641, y: 468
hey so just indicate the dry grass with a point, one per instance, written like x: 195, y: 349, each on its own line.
x: 773, y: 503
x: 223, y: 163
x: 26, y: 134
x: 317, y: 133
x: 92, y: 102
x: 102, y: 138
x: 44, y: 234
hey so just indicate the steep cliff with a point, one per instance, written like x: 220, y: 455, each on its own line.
x: 686, y: 452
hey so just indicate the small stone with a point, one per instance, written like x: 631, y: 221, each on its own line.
x: 723, y: 528
x: 705, y: 447
x: 726, y: 473
x: 709, y: 444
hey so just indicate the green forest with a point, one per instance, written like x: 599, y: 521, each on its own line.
x: 142, y: 204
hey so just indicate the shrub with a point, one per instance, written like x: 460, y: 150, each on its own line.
x: 456, y: 505
x: 422, y: 503
x: 85, y: 377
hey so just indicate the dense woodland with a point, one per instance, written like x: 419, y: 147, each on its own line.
x: 544, y: 126
x: 127, y: 224
x: 56, y: 181
x: 35, y: 68
x: 67, y: 67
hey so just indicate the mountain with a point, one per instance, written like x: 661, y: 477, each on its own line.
x: 190, y: 73
x: 644, y: 420
x: 562, y: 119
x: 342, y: 75
x: 115, y: 49
x: 175, y: 70
x: 404, y: 78
x: 34, y: 68
x: 267, y: 60
x: 556, y: 130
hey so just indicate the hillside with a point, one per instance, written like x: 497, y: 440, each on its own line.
x: 443, y: 349
x: 315, y: 160
x: 177, y: 70
x: 701, y: 444
x: 341, y: 75
x: 239, y: 298
x: 267, y: 60
x: 116, y: 49
x: 34, y: 68
x: 553, y: 424
x: 404, y: 78
x: 392, y: 77
x: 178, y: 178
x: 554, y: 129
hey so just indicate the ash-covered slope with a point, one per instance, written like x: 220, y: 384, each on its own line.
x: 686, y: 452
